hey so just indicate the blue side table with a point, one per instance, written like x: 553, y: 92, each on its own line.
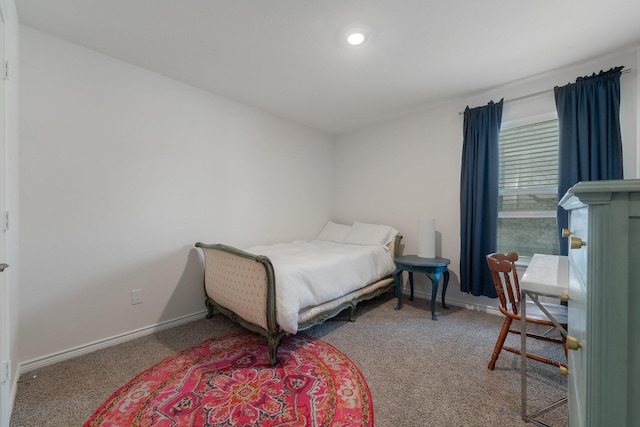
x: 432, y: 267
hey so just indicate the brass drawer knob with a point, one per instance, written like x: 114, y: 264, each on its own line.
x: 564, y: 371
x: 573, y: 344
x: 564, y: 297
x: 566, y: 232
x: 577, y: 243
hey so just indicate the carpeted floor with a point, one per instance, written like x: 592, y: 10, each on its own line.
x: 420, y: 372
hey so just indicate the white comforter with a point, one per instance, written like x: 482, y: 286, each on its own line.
x: 311, y: 273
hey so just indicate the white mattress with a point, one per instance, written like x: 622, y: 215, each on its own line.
x: 312, y: 273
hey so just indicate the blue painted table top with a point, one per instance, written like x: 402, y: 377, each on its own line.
x: 417, y: 261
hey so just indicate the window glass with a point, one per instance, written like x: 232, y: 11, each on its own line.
x: 528, y: 189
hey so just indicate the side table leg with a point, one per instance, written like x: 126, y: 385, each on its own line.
x: 411, y: 285
x: 397, y: 275
x: 435, y: 280
x: 444, y: 288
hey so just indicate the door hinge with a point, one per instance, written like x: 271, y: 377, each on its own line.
x: 5, y: 371
x: 5, y: 220
x: 5, y: 71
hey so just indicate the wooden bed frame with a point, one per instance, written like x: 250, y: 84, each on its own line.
x: 242, y: 286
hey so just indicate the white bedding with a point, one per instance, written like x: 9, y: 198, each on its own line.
x: 314, y: 272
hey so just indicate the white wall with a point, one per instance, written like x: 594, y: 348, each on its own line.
x: 407, y: 169
x: 12, y: 275
x: 122, y: 171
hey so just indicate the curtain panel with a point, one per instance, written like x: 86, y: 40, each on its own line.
x: 590, y: 141
x: 479, y: 197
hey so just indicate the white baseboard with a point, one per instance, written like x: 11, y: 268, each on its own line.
x: 41, y: 362
x: 464, y: 304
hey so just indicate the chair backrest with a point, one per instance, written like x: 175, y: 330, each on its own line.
x: 505, y: 280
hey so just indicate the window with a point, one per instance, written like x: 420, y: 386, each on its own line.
x: 528, y: 189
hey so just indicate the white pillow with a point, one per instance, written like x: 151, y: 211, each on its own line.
x: 333, y: 232
x: 370, y: 234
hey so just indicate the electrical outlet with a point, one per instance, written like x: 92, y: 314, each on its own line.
x: 136, y: 296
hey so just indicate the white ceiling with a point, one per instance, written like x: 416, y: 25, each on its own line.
x: 289, y: 57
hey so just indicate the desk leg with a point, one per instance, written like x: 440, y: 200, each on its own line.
x: 444, y: 288
x: 435, y: 281
x: 523, y: 358
x: 397, y: 276
x: 523, y: 354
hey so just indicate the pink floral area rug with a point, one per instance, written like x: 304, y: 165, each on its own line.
x: 228, y: 382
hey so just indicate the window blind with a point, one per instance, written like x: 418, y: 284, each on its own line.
x: 528, y: 181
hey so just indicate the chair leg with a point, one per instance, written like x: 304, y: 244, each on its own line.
x: 501, y: 338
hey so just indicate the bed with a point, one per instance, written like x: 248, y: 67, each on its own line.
x: 284, y: 288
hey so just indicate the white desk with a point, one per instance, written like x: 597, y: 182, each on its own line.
x: 548, y: 276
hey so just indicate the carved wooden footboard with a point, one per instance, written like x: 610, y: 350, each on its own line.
x: 242, y: 286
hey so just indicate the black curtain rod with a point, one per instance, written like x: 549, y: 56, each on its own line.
x: 625, y: 71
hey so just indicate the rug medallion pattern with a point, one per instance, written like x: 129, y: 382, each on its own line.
x: 228, y: 382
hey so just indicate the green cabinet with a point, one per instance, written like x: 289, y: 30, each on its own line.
x: 604, y: 295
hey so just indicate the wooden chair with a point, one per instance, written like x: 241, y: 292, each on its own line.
x: 505, y: 279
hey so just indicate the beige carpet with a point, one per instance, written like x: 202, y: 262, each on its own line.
x: 420, y: 372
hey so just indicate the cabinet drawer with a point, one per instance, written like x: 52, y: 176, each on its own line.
x: 577, y: 328
x: 578, y: 225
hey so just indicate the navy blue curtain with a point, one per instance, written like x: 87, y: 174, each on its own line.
x: 590, y: 145
x: 479, y: 197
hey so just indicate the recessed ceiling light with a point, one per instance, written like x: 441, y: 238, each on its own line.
x: 355, y: 39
